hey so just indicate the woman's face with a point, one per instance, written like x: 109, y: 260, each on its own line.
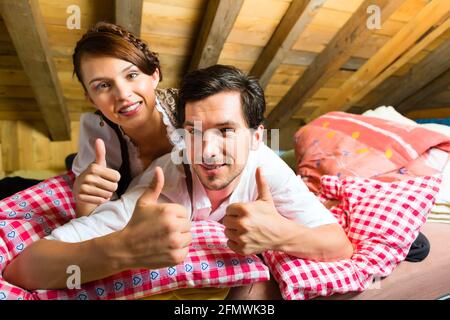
x: 119, y: 89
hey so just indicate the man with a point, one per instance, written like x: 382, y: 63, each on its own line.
x: 234, y: 178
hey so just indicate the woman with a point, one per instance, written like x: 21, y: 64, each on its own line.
x: 134, y: 119
x: 136, y: 122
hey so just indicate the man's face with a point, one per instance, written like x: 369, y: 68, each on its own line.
x: 218, y: 139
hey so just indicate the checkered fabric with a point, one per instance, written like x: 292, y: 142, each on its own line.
x: 381, y: 220
x: 33, y: 213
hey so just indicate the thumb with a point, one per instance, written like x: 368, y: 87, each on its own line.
x: 263, y: 188
x: 151, y: 194
x: 100, y: 152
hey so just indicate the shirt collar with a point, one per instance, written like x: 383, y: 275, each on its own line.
x: 200, y: 198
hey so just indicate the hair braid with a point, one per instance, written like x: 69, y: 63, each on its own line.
x: 101, y: 32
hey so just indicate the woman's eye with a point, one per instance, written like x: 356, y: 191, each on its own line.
x: 101, y: 86
x: 133, y: 75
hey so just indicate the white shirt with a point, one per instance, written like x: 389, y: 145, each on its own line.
x: 90, y: 130
x: 291, y: 197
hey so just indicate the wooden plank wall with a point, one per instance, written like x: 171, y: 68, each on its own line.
x: 171, y: 28
x: 25, y: 146
x: 2, y: 172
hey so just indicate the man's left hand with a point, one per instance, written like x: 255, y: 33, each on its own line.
x: 256, y: 226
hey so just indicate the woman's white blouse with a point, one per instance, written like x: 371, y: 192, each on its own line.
x: 90, y: 130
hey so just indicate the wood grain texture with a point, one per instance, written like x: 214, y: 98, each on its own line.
x: 328, y: 62
x: 128, y: 14
x: 218, y: 21
x: 33, y: 50
x: 299, y: 15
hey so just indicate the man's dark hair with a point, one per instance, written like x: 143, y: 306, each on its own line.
x: 202, y: 83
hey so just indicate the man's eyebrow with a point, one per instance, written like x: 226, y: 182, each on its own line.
x: 222, y: 124
x: 227, y: 123
x: 102, y: 78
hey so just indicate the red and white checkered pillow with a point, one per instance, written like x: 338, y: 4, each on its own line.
x: 381, y: 220
x: 33, y: 213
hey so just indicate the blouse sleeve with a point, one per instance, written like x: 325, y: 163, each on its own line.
x: 90, y: 130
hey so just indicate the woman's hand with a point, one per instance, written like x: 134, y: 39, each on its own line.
x: 96, y: 184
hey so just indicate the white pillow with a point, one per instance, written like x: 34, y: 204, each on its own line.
x: 389, y: 113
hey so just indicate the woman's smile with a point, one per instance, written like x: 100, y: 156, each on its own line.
x: 129, y: 110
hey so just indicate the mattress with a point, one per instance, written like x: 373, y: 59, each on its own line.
x: 428, y: 279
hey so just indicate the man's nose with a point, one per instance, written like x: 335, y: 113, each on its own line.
x: 212, y: 146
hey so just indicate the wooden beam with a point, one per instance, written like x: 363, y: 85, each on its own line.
x: 435, y: 64
x: 305, y: 58
x: 430, y: 113
x: 26, y: 28
x: 403, y: 60
x: 428, y: 77
x: 327, y: 63
x: 436, y: 86
x: 433, y: 13
x: 128, y: 14
x: 298, y: 16
x: 217, y: 23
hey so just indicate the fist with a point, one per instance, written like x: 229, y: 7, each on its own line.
x: 97, y: 183
x: 253, y: 227
x: 158, y: 234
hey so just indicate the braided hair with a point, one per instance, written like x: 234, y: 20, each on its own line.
x: 107, y: 39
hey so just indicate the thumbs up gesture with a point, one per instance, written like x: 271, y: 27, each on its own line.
x: 254, y: 227
x: 100, y: 153
x: 158, y: 234
x: 96, y: 184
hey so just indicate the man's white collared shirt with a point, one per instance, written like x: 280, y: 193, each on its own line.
x: 291, y: 197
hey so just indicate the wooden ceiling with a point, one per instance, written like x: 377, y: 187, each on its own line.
x: 311, y: 56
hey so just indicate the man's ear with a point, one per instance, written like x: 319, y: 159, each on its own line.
x: 257, y: 137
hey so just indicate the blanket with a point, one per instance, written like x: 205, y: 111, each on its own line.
x: 345, y: 145
x: 33, y: 213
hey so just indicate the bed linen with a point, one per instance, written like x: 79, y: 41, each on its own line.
x: 33, y: 213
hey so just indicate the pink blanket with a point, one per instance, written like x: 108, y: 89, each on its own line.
x: 344, y: 144
x: 32, y: 213
x: 381, y: 220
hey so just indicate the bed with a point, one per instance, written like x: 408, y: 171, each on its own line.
x: 427, y: 279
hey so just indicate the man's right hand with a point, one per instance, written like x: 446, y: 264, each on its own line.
x: 158, y: 234
x: 97, y: 183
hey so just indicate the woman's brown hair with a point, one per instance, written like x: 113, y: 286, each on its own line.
x: 107, y: 39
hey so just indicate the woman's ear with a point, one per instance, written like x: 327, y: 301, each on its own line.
x: 88, y: 98
x: 155, y: 78
x: 257, y: 137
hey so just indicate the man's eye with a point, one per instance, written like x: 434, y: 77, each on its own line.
x: 224, y: 131
x: 194, y: 131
